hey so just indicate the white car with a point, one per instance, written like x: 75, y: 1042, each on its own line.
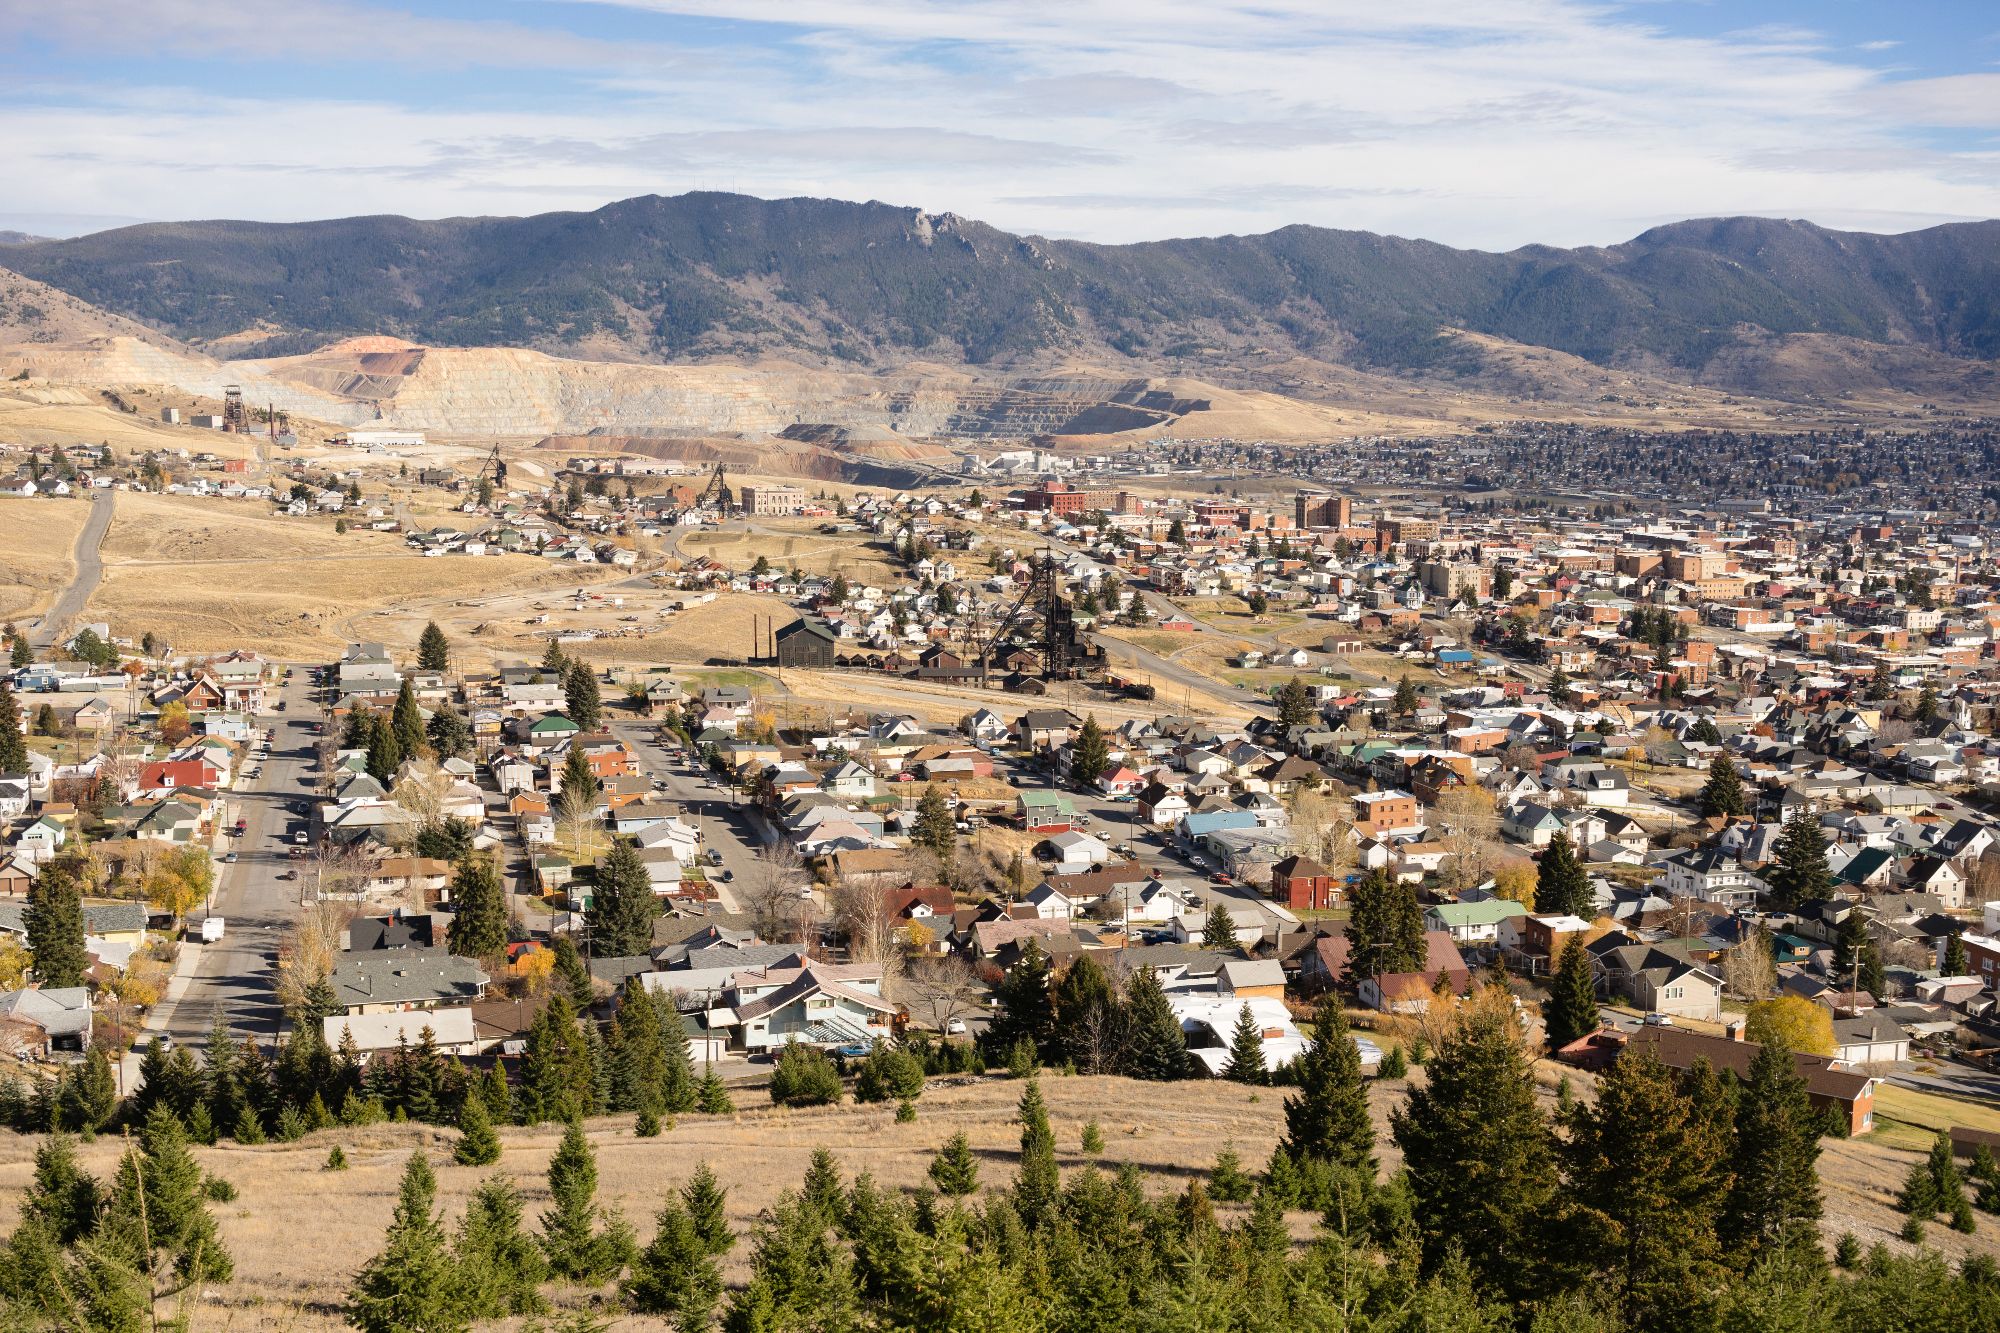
x: 954, y: 1027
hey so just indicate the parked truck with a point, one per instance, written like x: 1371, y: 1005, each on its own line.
x: 211, y: 929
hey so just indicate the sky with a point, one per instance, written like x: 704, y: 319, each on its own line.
x: 1484, y: 123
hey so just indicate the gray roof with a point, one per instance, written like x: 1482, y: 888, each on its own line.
x: 60, y: 1012
x: 98, y: 918
x: 406, y: 976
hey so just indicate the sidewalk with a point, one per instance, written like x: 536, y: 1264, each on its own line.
x: 160, y: 1016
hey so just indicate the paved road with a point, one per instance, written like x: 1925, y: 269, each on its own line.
x: 726, y: 824
x: 89, y: 569
x: 235, y: 977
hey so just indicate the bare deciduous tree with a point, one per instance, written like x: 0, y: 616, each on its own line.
x: 1749, y: 970
x: 940, y: 986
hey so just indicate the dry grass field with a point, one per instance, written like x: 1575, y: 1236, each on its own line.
x: 218, y: 574
x: 298, y: 1233
x: 793, y: 544
x: 37, y: 538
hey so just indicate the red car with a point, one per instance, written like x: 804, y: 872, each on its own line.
x: 1219, y: 877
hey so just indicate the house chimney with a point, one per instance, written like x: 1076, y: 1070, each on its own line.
x: 1733, y: 1029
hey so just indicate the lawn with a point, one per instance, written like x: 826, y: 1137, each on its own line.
x: 1910, y: 1118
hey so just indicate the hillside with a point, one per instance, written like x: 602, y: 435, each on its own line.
x: 703, y: 276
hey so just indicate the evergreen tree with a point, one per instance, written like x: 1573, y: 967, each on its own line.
x: 385, y: 753
x: 1024, y: 1007
x: 1646, y: 1183
x: 571, y: 972
x: 412, y: 1285
x: 1798, y: 872
x: 1723, y: 793
x: 707, y: 1205
x: 1218, y: 931
x: 1571, y: 1011
x: 555, y: 663
x: 479, y: 929
x: 557, y: 1077
x: 638, y: 1056
x: 1562, y: 884
x: 63, y: 1198
x: 1090, y: 755
x: 54, y: 921
x: 1038, y: 1187
x: 934, y: 830
x: 408, y: 721
x: 1155, y: 1046
x: 1774, y: 1197
x: 800, y: 1279
x: 579, y: 1250
x: 448, y: 733
x: 1477, y: 1152
x: 1246, y: 1050
x: 13, y: 749
x: 889, y: 1074
x: 712, y: 1095
x: 581, y: 698
x: 1956, y: 964
x: 804, y: 1077
x: 955, y: 1171
x: 623, y: 906
x: 433, y: 650
x: 1087, y: 1019
x: 1295, y: 704
x: 1385, y: 928
x: 478, y: 1144
x: 675, y: 1274
x: 1326, y: 1119
x: 679, y: 1090
x: 579, y: 791
x: 499, y: 1265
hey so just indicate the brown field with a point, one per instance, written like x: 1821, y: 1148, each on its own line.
x: 794, y: 544
x: 37, y: 538
x: 294, y: 1262
x: 58, y: 414
x: 217, y: 574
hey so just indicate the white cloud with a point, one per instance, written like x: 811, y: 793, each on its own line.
x: 1475, y: 122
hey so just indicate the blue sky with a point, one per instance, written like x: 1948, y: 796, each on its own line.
x: 1489, y: 123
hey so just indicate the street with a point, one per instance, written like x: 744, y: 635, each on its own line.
x: 726, y: 823
x: 234, y: 977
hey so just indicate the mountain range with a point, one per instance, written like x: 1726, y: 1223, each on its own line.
x: 713, y: 276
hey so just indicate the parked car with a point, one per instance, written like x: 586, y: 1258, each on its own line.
x: 954, y: 1027
x: 229, y: 858
x: 1658, y: 1020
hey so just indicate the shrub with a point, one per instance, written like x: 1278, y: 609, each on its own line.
x: 805, y: 1077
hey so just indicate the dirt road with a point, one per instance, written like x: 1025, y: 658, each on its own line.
x: 89, y: 569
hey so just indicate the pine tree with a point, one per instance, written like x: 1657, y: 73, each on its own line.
x: 955, y: 1171
x: 680, y: 1091
x: 1295, y: 704
x: 1406, y: 700
x: 638, y: 1059
x: 1087, y: 1017
x: 1956, y: 964
x: 385, y: 753
x: 623, y: 906
x: 804, y: 1077
x: 63, y: 1197
x: 1477, y: 1151
x: 578, y: 1250
x: 1246, y: 1050
x: 478, y: 1144
x: 1228, y: 1182
x: 1218, y: 932
x: 934, y: 830
x: 412, y: 1285
x: 1025, y: 1009
x: 1090, y: 755
x: 408, y: 721
x: 54, y: 921
x: 448, y: 733
x: 1646, y: 1184
x: 1774, y: 1198
x: 479, y: 930
x: 1723, y: 793
x: 675, y: 1274
x: 433, y: 650
x: 556, y: 1074
x: 1155, y: 1046
x: 1798, y: 872
x: 1038, y: 1187
x: 1562, y: 884
x: 712, y: 1095
x: 1385, y: 928
x: 13, y: 748
x: 707, y: 1205
x: 1326, y: 1119
x: 499, y: 1265
x: 1572, y: 1008
x: 581, y: 698
x: 574, y: 976
x: 889, y: 1074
